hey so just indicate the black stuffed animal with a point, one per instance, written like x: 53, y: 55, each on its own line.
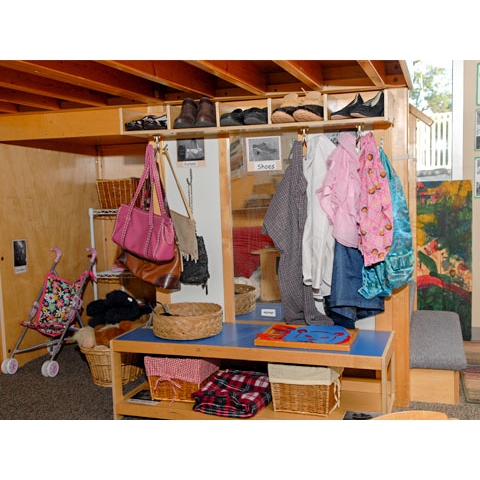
x: 116, y: 307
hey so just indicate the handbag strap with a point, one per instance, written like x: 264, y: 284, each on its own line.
x: 184, y: 198
x: 154, y: 178
x: 150, y: 174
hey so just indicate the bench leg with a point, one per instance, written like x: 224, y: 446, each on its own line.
x: 435, y: 386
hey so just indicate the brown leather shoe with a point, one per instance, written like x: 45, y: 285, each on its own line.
x: 188, y: 114
x: 206, y: 114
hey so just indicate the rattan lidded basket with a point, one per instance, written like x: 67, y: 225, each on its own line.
x: 187, y: 320
x: 245, y: 298
x: 98, y: 359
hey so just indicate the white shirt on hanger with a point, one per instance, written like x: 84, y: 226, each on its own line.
x: 318, y: 242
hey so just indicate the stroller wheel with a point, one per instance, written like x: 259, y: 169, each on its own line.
x: 10, y: 366
x: 50, y: 368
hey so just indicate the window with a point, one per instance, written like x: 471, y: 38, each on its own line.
x: 437, y: 153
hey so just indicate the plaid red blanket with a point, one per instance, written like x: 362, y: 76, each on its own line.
x: 234, y: 393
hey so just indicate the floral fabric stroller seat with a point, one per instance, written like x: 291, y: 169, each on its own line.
x: 54, y: 313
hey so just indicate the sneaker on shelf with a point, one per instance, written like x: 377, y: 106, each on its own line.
x: 255, y: 116
x: 232, y: 119
x: 345, y: 111
x: 370, y: 108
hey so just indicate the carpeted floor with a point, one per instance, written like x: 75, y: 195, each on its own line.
x: 72, y: 395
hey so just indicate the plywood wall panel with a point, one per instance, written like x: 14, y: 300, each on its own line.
x: 45, y: 200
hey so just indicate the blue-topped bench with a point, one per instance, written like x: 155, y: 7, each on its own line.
x: 437, y: 356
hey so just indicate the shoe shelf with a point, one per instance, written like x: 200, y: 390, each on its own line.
x: 332, y: 102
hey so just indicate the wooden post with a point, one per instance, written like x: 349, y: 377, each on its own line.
x: 397, y: 308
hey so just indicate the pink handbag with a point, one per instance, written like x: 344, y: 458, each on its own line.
x: 143, y: 232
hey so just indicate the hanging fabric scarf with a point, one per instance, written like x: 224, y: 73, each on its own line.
x: 376, y: 211
x: 397, y: 269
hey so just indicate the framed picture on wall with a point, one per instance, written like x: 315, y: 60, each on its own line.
x: 191, y: 153
x: 477, y: 129
x: 478, y: 83
x: 263, y: 154
x: 476, y: 176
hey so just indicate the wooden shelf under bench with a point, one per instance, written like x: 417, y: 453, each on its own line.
x: 372, y: 350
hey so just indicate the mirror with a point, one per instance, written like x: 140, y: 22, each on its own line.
x: 257, y: 165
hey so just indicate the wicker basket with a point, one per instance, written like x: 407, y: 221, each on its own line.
x: 307, y: 390
x: 245, y: 298
x: 177, y: 379
x: 112, y: 193
x: 100, y: 367
x: 187, y: 321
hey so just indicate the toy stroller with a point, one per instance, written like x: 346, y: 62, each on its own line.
x: 54, y: 313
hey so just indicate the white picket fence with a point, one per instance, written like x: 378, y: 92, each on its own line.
x: 434, y: 144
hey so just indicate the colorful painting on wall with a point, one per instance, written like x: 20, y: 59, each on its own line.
x: 444, y: 249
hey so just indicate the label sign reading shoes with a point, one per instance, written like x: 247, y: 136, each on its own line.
x: 264, y: 166
x: 263, y: 154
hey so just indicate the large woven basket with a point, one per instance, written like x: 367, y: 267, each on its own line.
x: 187, y: 321
x: 112, y: 193
x: 245, y: 298
x: 307, y: 390
x: 98, y: 359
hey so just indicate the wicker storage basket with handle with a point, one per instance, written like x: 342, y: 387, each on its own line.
x: 187, y: 321
x: 177, y: 378
x: 112, y: 193
x: 98, y: 359
x: 245, y: 298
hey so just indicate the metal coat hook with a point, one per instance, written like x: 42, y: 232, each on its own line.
x: 157, y: 142
x: 304, y: 135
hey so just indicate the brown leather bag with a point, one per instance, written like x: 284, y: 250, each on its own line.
x: 164, y: 275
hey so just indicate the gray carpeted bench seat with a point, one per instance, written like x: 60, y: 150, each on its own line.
x: 436, y: 341
x: 437, y: 356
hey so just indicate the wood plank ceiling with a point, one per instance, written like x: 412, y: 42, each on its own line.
x: 59, y: 85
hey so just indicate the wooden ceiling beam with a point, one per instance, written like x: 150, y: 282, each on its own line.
x: 241, y: 73
x: 92, y: 75
x: 26, y: 82
x: 375, y: 71
x: 175, y: 74
x: 308, y: 72
x: 28, y: 99
x: 7, y: 107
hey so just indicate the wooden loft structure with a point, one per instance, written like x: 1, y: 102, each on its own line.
x: 59, y: 85
x: 76, y: 107
x: 91, y: 93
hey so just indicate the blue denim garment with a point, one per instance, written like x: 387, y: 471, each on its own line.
x: 397, y: 268
x: 345, y: 305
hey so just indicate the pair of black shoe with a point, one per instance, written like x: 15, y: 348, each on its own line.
x: 357, y: 108
x: 196, y: 115
x: 149, y: 122
x: 251, y: 116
